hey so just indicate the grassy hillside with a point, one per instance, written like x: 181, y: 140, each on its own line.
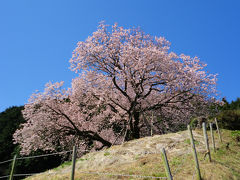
x: 143, y: 157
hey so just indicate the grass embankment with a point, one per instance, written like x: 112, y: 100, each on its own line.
x: 142, y: 157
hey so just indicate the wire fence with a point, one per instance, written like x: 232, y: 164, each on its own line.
x: 80, y: 172
x: 3, y: 177
x: 6, y: 161
x: 168, y: 172
x: 30, y: 157
x: 36, y: 156
x: 180, y: 165
x: 123, y: 175
x: 44, y: 155
x: 91, y: 173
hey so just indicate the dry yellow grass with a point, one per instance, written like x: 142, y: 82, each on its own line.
x: 142, y: 157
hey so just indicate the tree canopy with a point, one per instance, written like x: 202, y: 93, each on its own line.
x: 124, y: 76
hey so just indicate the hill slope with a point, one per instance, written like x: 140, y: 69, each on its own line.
x: 143, y: 157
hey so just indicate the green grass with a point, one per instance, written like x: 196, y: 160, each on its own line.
x: 65, y: 164
x: 236, y: 135
x: 107, y: 153
x: 187, y: 141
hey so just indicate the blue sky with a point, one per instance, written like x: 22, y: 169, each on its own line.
x: 38, y: 37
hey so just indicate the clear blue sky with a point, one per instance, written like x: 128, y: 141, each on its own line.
x: 38, y: 37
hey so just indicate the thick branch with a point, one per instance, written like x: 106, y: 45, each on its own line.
x: 160, y: 104
x: 89, y: 134
x: 118, y: 88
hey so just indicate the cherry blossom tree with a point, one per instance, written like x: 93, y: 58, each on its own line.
x: 125, y: 75
x: 57, y: 119
x: 143, y: 74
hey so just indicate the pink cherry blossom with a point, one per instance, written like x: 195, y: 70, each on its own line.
x: 125, y: 75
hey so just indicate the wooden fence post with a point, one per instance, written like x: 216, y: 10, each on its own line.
x: 206, y: 141
x: 13, y: 167
x: 152, y: 125
x: 194, y: 153
x: 73, y: 162
x: 212, y: 136
x: 218, y: 130
x: 166, y: 165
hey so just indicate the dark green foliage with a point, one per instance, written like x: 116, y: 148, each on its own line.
x: 229, y: 119
x: 234, y: 105
x: 10, y: 121
x: 36, y: 165
x: 229, y: 116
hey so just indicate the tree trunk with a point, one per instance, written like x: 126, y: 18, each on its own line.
x: 92, y: 136
x: 134, y: 131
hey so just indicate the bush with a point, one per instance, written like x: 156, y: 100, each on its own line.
x: 229, y: 119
